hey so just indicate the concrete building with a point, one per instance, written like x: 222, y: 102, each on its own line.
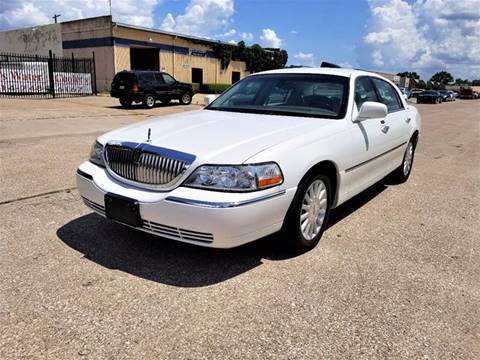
x: 120, y: 47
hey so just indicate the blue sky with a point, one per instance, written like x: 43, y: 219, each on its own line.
x: 388, y: 35
x: 328, y: 29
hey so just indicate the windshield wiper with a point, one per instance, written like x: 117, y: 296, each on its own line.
x: 270, y: 112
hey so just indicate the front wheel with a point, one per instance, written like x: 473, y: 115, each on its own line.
x: 308, y: 214
x: 186, y: 99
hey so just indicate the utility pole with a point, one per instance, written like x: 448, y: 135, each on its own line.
x: 110, y: 6
x: 55, y: 16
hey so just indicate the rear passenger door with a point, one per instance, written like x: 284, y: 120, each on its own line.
x: 147, y: 81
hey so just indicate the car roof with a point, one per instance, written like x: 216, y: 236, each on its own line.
x: 321, y: 71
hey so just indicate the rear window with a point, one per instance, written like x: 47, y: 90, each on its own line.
x: 124, y: 78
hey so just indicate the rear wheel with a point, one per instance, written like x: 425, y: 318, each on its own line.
x: 308, y: 214
x: 402, y: 173
x: 186, y: 98
x: 125, y: 103
x: 149, y: 101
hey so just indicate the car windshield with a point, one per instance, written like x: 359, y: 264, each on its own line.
x: 430, y: 93
x: 309, y: 95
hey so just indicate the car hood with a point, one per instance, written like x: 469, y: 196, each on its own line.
x: 219, y: 136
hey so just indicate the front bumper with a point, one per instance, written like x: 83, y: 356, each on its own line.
x: 200, y: 217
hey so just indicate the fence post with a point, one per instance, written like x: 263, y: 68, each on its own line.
x: 73, y: 63
x: 94, y: 74
x: 50, y: 73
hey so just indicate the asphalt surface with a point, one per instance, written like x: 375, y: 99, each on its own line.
x: 396, y: 275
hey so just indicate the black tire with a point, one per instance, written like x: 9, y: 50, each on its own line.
x: 149, y: 101
x: 291, y: 230
x: 126, y: 103
x: 400, y: 175
x: 186, y: 98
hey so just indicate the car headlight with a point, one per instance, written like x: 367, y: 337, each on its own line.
x: 96, y: 154
x: 236, y: 177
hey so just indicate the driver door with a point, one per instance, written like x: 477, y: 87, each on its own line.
x: 371, y: 141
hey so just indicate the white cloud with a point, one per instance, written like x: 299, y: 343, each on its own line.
x: 201, y: 18
x: 270, y: 39
x: 293, y: 32
x: 247, y: 36
x: 305, y: 58
x: 228, y: 33
x: 18, y: 13
x: 423, y: 36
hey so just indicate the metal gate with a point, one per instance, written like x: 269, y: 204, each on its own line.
x: 46, y: 76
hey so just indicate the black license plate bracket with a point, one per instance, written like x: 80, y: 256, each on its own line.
x: 123, y: 209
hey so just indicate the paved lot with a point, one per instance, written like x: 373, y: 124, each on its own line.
x: 396, y: 275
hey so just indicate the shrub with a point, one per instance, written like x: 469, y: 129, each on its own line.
x: 213, y: 88
x: 196, y: 87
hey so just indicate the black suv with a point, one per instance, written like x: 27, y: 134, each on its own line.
x: 147, y: 87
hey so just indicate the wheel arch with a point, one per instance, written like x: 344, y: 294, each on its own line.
x: 414, y: 137
x: 329, y: 169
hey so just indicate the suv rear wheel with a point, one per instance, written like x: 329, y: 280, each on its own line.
x: 149, y: 101
x: 186, y: 99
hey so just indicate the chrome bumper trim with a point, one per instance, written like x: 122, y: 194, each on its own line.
x: 222, y: 205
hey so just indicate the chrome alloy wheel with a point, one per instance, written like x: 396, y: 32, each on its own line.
x: 150, y: 101
x: 186, y: 98
x: 313, y: 210
x: 407, y: 162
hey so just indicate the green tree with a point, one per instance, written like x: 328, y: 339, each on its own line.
x: 462, y: 82
x: 409, y: 74
x: 442, y: 77
x: 476, y: 82
x: 421, y: 84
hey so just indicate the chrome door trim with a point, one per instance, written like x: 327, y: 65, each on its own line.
x: 375, y: 157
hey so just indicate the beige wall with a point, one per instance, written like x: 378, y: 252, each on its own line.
x: 104, y: 68
x: 37, y: 40
x: 178, y: 65
x: 99, y: 27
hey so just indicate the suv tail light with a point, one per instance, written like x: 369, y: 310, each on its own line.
x: 135, y: 87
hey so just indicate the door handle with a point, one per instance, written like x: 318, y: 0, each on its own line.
x: 385, y: 128
x: 407, y: 120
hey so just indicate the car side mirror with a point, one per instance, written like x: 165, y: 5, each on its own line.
x: 372, y: 110
x: 208, y: 99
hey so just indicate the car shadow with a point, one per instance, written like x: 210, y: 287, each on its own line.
x: 137, y: 106
x: 178, y: 264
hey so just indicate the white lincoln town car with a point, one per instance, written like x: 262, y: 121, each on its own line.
x: 276, y: 151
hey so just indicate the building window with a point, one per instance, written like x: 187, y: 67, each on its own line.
x: 197, y: 75
x: 235, y: 76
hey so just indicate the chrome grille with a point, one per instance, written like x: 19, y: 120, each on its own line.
x: 146, y: 164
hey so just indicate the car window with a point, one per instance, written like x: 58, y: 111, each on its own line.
x: 124, y: 77
x: 168, y: 79
x: 159, y: 78
x: 146, y: 76
x: 387, y: 95
x: 364, y: 91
